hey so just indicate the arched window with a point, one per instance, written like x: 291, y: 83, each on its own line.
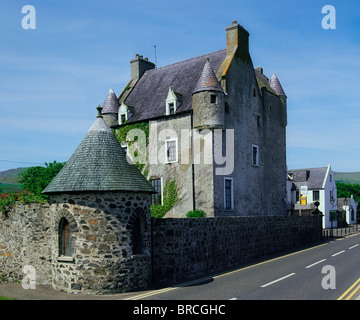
x: 65, y: 238
x: 138, y: 228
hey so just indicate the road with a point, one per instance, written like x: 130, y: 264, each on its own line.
x: 329, y: 271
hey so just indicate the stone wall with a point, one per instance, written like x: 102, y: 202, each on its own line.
x: 188, y: 248
x: 103, y: 260
x: 24, y: 240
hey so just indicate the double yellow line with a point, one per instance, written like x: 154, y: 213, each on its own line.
x: 348, y: 294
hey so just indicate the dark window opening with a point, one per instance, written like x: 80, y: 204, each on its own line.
x: 138, y: 236
x: 123, y: 118
x: 212, y: 98
x: 316, y: 195
x: 228, y: 194
x: 156, y: 198
x: 65, y: 248
x: 171, y: 108
x: 254, y: 92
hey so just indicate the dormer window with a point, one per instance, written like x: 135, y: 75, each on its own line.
x: 173, y: 102
x: 125, y: 113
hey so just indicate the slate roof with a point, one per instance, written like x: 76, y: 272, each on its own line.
x: 276, y: 85
x: 99, y: 164
x: 313, y: 178
x: 207, y: 80
x: 150, y: 92
x: 111, y: 103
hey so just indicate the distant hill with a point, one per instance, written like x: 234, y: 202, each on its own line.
x: 9, y: 180
x: 347, y: 177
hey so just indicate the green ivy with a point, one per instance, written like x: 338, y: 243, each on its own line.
x: 170, y: 197
x: 121, y: 135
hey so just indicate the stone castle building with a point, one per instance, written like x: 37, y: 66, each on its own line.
x: 217, y: 126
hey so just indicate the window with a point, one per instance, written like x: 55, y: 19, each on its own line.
x: 254, y: 92
x: 297, y: 196
x: 65, y: 248
x: 213, y: 98
x: 255, y: 155
x: 316, y: 195
x: 122, y: 118
x: 228, y: 194
x: 156, y: 199
x: 138, y: 236
x: 171, y: 108
x: 171, y: 150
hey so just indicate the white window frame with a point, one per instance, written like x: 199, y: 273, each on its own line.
x: 231, y: 193
x: 257, y: 155
x: 171, y: 99
x: 176, y: 150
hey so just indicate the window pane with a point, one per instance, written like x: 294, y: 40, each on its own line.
x: 228, y: 195
x: 171, y: 150
x: 156, y: 198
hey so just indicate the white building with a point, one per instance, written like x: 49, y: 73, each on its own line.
x: 348, y: 207
x: 305, y: 187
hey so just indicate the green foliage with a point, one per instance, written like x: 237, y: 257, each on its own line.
x: 36, y: 179
x: 196, y: 214
x: 8, y: 201
x: 169, y: 200
x: 121, y: 135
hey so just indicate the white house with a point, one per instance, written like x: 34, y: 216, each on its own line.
x: 348, y: 207
x: 305, y: 187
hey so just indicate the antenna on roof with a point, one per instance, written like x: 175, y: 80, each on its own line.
x: 155, y: 55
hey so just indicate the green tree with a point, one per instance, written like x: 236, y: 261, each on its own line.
x: 36, y: 179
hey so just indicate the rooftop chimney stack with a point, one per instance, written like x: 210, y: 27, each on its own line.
x: 237, y: 41
x: 139, y: 65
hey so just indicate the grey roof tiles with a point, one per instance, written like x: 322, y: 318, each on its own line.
x: 313, y: 178
x: 276, y: 85
x: 150, y: 92
x: 207, y: 80
x: 111, y: 103
x: 99, y: 164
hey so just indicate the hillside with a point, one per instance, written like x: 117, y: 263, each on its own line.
x: 9, y: 180
x: 347, y: 177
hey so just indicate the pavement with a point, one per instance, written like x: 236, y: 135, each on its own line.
x: 46, y: 292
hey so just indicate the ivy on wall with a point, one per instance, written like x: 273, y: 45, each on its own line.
x: 170, y: 197
x: 121, y: 135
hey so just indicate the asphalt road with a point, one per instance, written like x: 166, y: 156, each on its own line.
x: 323, y: 272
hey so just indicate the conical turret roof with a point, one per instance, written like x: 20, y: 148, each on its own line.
x: 99, y: 164
x: 276, y: 85
x: 207, y: 80
x: 111, y: 103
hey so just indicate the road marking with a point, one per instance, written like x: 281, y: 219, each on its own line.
x: 311, y: 265
x: 277, y: 280
x: 340, y: 252
x: 353, y: 246
x: 348, y: 290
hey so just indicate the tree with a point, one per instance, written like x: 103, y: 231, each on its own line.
x: 36, y: 179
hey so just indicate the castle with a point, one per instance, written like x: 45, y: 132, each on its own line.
x: 96, y: 236
x: 217, y: 127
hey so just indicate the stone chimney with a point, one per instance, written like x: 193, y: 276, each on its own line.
x: 139, y: 65
x: 237, y: 41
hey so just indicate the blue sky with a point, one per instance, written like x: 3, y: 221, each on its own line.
x: 53, y: 77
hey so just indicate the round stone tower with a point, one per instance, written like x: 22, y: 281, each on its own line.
x: 110, y: 109
x: 208, y: 101
x: 101, y: 237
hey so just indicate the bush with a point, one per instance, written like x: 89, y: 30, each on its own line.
x: 8, y: 201
x: 196, y: 214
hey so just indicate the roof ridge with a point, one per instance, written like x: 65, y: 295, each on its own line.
x: 175, y: 63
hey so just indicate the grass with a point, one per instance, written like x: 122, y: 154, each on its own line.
x: 5, y: 298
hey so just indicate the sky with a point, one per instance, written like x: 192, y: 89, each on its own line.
x: 53, y: 77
